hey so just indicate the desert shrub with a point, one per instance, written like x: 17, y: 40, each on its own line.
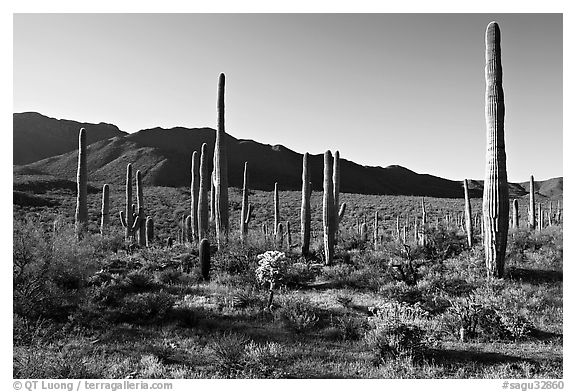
x: 300, y: 273
x: 481, y: 315
x: 50, y: 269
x: 350, y: 327
x: 298, y: 315
x: 168, y: 276
x: 143, y: 308
x: 395, y: 340
x: 228, y: 352
x: 264, y: 360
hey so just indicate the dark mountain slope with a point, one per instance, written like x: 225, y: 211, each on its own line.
x: 37, y: 136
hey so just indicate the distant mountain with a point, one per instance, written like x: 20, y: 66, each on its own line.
x: 37, y: 136
x: 163, y: 156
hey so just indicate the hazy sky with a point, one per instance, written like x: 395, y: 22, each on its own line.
x: 384, y: 89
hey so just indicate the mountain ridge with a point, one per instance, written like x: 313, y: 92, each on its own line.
x: 163, y: 156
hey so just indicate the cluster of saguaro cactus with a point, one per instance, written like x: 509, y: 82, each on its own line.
x: 81, y: 215
x: 468, y: 214
x: 328, y: 209
x: 246, y: 212
x: 221, y: 171
x: 305, y: 212
x: 105, y: 212
x: 129, y: 220
x: 495, y: 203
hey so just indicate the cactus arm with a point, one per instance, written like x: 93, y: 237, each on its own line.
x: 122, y: 219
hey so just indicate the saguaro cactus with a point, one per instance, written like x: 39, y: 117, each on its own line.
x: 376, y: 234
x: 468, y: 214
x: 205, y: 181
x: 423, y: 212
x: 495, y: 204
x: 204, y: 256
x: 364, y: 232
x: 81, y: 216
x: 336, y: 186
x: 279, y: 236
x: 276, y: 207
x: 221, y: 171
x: 532, y: 206
x: 328, y: 209
x: 288, y: 236
x: 246, y: 212
x: 140, y: 209
x: 305, y: 212
x: 105, y: 212
x: 188, y: 229
x: 149, y: 231
x: 515, y: 214
x: 128, y: 220
x: 539, y: 216
x: 194, y: 184
x: 212, y: 198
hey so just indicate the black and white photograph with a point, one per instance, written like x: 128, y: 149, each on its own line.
x: 287, y: 196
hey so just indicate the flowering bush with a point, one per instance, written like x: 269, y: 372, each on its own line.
x: 272, y: 266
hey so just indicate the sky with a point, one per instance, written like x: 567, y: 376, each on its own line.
x: 383, y: 89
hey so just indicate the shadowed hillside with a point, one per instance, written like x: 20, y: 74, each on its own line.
x: 37, y: 136
x: 163, y: 156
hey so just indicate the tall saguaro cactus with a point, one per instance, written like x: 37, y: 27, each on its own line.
x: 194, y: 183
x: 205, y: 180
x: 221, y: 171
x: 495, y: 205
x: 468, y: 214
x: 105, y: 212
x: 328, y: 209
x: 81, y: 216
x: 532, y: 206
x: 129, y: 220
x: 246, y: 212
x: 305, y: 212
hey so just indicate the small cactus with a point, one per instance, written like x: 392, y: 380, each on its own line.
x: 276, y: 207
x: 204, y: 256
x: 532, y: 206
x: 279, y: 235
x: 105, y: 212
x: 376, y: 235
x: 81, y: 216
x: 364, y: 232
x: 515, y: 214
x: 468, y: 214
x: 246, y: 212
x: 288, y: 236
x: 149, y: 231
